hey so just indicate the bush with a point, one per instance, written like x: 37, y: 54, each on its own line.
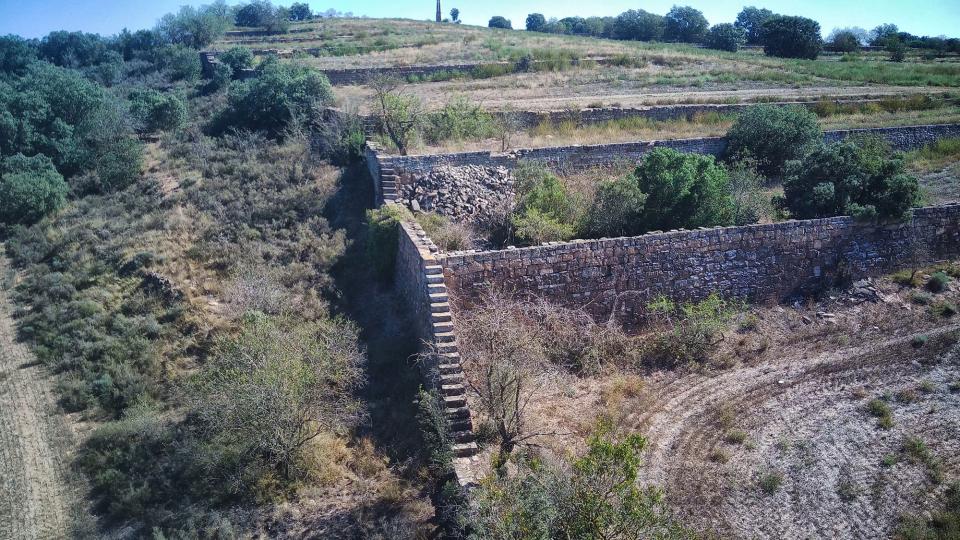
x: 638, y: 25
x: 683, y: 190
x: 792, y: 37
x: 156, y: 111
x: 447, y: 235
x: 617, y: 209
x: 238, y: 58
x: 858, y: 178
x: 300, y: 11
x: 545, y: 211
x: 536, y: 22
x: 845, y: 40
x: 692, y: 330
x: 750, y: 203
x: 725, y: 37
x: 458, y: 120
x: 686, y: 24
x: 533, y: 227
x: 340, y: 137
x: 773, y: 135
x: 269, y: 101
x: 770, y: 482
x: 941, y: 525
x: 30, y: 188
x: 896, y: 49
x: 500, y: 22
x: 939, y: 282
x: 194, y: 27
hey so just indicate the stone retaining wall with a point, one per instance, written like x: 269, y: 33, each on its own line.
x: 757, y: 263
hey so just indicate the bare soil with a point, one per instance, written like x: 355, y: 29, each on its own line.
x: 40, y: 496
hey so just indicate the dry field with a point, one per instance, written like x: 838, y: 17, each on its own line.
x: 774, y: 438
x: 40, y: 496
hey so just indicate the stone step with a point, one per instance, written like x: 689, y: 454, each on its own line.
x: 443, y: 327
x: 444, y: 348
x: 460, y: 424
x: 435, y: 278
x: 439, y: 297
x: 449, y: 368
x: 462, y: 436
x: 441, y: 317
x: 387, y: 170
x: 440, y: 307
x: 465, y: 449
x: 458, y: 413
x: 433, y: 269
x: 444, y: 337
x: 452, y: 389
x: 437, y: 288
x: 452, y: 378
x: 453, y: 402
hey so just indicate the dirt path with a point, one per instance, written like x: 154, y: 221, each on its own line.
x: 804, y: 421
x: 36, y: 497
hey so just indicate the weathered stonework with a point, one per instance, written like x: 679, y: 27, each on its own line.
x: 756, y: 263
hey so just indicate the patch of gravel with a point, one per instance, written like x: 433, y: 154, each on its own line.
x: 467, y: 193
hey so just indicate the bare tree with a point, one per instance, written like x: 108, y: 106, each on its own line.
x: 506, y: 124
x: 400, y: 112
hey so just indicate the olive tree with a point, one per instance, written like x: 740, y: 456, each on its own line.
x: 792, y: 37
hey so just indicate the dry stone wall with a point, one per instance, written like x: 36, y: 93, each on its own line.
x: 756, y: 263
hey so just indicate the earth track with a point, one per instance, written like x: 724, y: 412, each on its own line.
x: 38, y: 494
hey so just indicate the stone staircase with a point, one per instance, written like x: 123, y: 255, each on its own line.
x: 451, y: 378
x: 388, y: 184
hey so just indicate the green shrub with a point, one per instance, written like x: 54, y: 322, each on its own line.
x: 180, y: 62
x: 30, y: 188
x: 938, y: 282
x: 447, y: 235
x: 617, y: 209
x: 500, y: 22
x: 683, y: 191
x: 792, y: 37
x: 858, y: 178
x: 545, y: 212
x: 773, y: 135
x: 238, y: 58
x: 750, y: 203
x: 269, y: 101
x: 458, y: 120
x: 726, y: 37
x: 918, y: 341
x: 382, y: 237
x: 770, y: 482
x: 944, y: 309
x: 533, y: 227
x: 906, y: 278
x: 692, y: 330
x: 156, y: 111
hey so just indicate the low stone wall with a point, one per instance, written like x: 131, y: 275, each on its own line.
x: 757, y: 263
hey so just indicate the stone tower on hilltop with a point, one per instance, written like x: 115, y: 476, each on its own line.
x: 439, y: 13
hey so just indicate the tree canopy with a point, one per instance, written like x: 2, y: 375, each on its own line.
x: 686, y: 24
x: 792, y: 37
x: 751, y: 20
x: 773, y: 135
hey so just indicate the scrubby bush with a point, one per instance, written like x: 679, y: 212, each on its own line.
x: 617, y: 209
x: 846, y: 39
x: 280, y: 91
x: 683, y: 190
x: 939, y: 282
x: 750, y: 203
x: 340, y: 137
x: 458, y: 120
x: 180, y: 62
x: 686, y: 24
x: 751, y: 20
x: 725, y: 37
x: 773, y: 135
x: 156, y: 111
x: 896, y: 49
x: 500, y: 22
x: 382, y: 237
x: 447, y: 235
x: 858, y: 178
x: 238, y: 58
x: 690, y: 330
x: 792, y: 37
x: 545, y: 211
x: 30, y: 188
x: 400, y: 113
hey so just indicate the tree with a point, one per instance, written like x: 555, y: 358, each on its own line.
x: 861, y: 178
x: 195, y: 27
x: 726, y: 37
x: 617, y: 209
x: 638, y: 25
x: 455, y: 15
x: 254, y: 14
x: 73, y: 49
x: 30, y: 188
x: 750, y: 203
x: 400, y: 113
x: 300, y: 11
x: 773, y: 135
x: 880, y: 34
x: 180, y: 62
x: 545, y: 211
x: 280, y: 91
x: 846, y: 39
x: 536, y: 22
x: 683, y: 191
x: 896, y: 48
x: 500, y: 22
x: 238, y: 58
x: 269, y: 391
x: 686, y: 24
x: 792, y: 37
x: 156, y: 111
x: 751, y: 21
x: 16, y: 54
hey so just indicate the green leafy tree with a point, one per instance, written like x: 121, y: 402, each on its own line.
x: 238, y: 58
x: 617, y: 209
x: 846, y: 39
x: 195, y: 27
x: 880, y: 34
x: 30, y: 188
x: 773, y: 135
x: 792, y: 37
x: 269, y: 101
x: 536, y: 22
x: 861, y: 178
x: 751, y: 21
x: 16, y: 54
x: 300, y: 11
x: 725, y: 37
x: 683, y: 190
x: 686, y: 24
x: 545, y: 211
x: 156, y: 111
x: 455, y: 15
x: 638, y: 25
x: 500, y: 22
x: 896, y: 48
x: 73, y: 49
x: 180, y: 62
x: 254, y: 14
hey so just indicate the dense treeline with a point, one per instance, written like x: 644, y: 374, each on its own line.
x: 780, y: 35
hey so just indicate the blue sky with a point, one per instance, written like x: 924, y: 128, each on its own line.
x: 923, y: 17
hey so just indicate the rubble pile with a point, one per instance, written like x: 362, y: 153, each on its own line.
x: 466, y: 193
